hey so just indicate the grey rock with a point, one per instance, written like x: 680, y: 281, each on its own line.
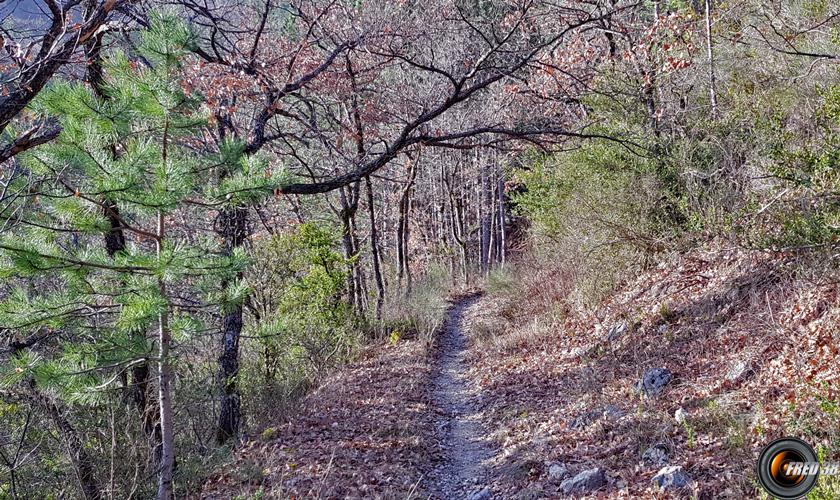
x: 578, y: 352
x: 585, y: 482
x: 656, y: 455
x: 671, y: 477
x: 653, y: 382
x: 585, y: 419
x: 616, y: 331
x: 482, y: 494
x: 612, y: 412
x: 740, y: 371
x: 557, y: 471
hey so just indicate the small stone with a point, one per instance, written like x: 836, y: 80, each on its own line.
x: 585, y: 482
x: 740, y: 371
x: 578, y: 352
x: 612, y: 412
x: 656, y: 455
x: 540, y: 442
x: 680, y: 415
x: 653, y: 382
x: 482, y: 494
x: 584, y: 419
x: 672, y: 477
x: 557, y: 471
x: 616, y: 331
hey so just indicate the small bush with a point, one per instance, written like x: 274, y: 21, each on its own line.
x: 423, y: 309
x: 299, y: 325
x: 501, y: 280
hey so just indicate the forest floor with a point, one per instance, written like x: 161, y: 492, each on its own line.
x: 522, y: 396
x: 401, y: 422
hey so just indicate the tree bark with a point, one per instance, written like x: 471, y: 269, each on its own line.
x: 233, y: 229
x: 502, y: 220
x: 167, y: 453
x: 82, y: 462
x: 374, y: 251
x: 115, y: 242
x: 711, y: 56
x: 458, y: 225
x: 349, y: 198
x: 485, y: 219
x: 403, y: 269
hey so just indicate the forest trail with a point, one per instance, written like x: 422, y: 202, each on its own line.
x: 463, y: 473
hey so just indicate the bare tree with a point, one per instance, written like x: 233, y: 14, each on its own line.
x: 29, y: 59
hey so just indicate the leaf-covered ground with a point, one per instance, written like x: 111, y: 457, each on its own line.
x: 751, y: 341
x: 753, y: 350
x: 365, y: 433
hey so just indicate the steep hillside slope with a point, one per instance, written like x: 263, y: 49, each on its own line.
x: 740, y: 346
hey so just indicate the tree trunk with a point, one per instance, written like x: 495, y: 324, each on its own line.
x: 403, y: 270
x: 502, y: 220
x: 141, y: 390
x: 484, y: 217
x: 233, y: 221
x: 167, y: 453
x: 711, y: 56
x: 82, y: 462
x: 374, y: 251
x: 361, y: 281
x: 349, y: 198
x: 458, y: 225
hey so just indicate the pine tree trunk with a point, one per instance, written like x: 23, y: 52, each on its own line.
x: 230, y: 411
x: 374, y: 251
x: 167, y: 448
x: 167, y: 454
x: 234, y: 229
x: 141, y: 389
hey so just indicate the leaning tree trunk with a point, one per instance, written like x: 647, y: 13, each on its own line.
x: 233, y: 222
x: 82, y: 462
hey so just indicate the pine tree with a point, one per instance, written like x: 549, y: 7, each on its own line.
x: 138, y: 148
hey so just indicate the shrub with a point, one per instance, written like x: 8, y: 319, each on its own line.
x: 421, y: 311
x: 298, y: 319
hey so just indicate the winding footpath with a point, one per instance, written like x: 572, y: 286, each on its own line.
x: 464, y: 472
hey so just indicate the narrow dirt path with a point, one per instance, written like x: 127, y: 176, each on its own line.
x: 464, y: 472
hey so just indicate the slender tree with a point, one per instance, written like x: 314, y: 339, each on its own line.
x: 102, y: 302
